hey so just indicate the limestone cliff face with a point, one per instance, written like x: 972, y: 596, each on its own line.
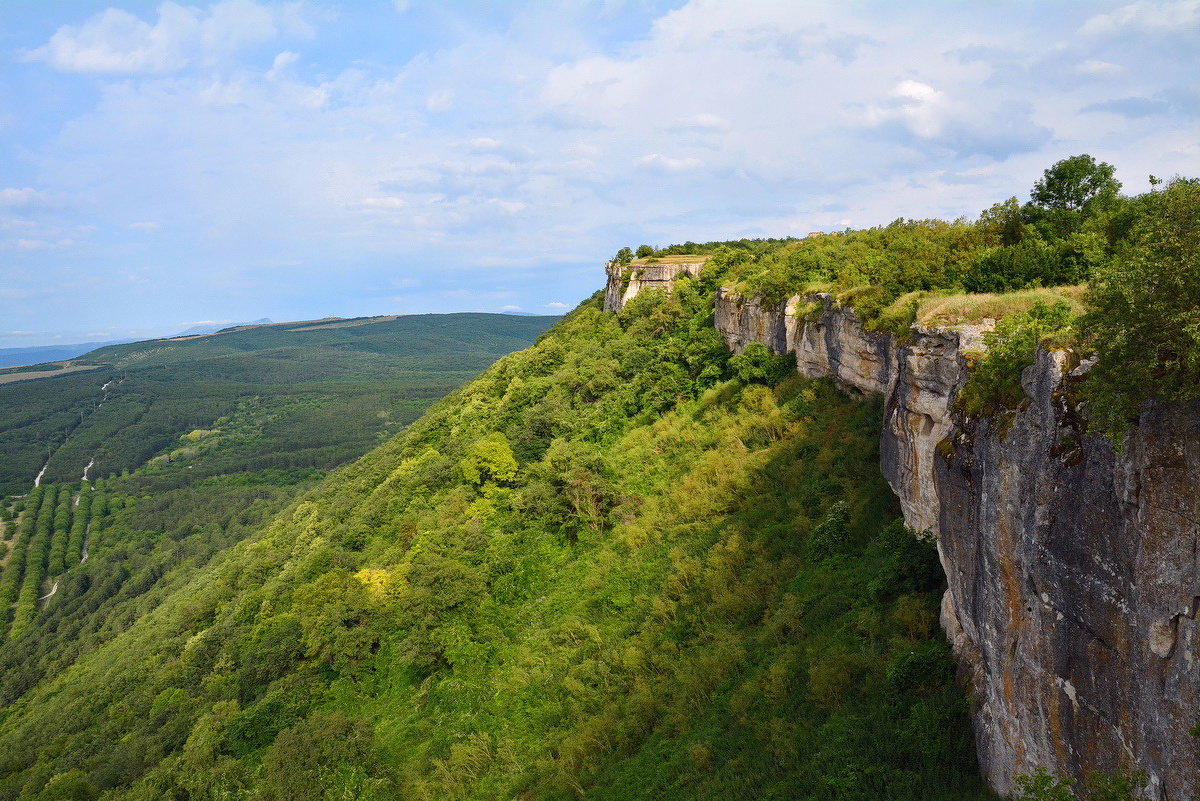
x: 1073, y: 569
x: 918, y: 379
x: 1074, y: 588
x: 624, y: 283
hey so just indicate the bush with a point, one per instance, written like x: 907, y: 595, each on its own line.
x: 995, y: 382
x: 757, y: 365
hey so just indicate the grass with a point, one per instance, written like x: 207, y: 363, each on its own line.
x: 684, y: 259
x: 965, y: 309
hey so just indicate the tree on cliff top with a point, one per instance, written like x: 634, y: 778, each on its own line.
x: 1143, y: 311
x: 1076, y: 184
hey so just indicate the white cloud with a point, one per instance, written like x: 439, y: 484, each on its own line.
x: 118, y: 42
x: 557, y: 305
x: 383, y: 203
x: 510, y: 308
x: 669, y: 163
x: 1180, y: 15
x: 42, y: 244
x: 441, y: 100
x: 508, y: 206
x: 26, y: 198
x: 1097, y: 67
x: 705, y: 122
x: 921, y: 107
x: 282, y: 63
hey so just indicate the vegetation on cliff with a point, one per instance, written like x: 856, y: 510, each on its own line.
x: 621, y: 563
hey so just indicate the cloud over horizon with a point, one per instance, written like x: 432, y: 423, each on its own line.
x: 243, y: 158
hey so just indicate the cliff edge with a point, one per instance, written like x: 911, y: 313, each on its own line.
x: 1072, y: 568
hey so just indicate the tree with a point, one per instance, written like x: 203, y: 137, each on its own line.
x: 623, y: 257
x: 489, y: 459
x: 71, y: 786
x: 1077, y: 184
x: 327, y: 755
x: 644, y: 251
x: 757, y: 365
x: 1069, y: 193
x: 1002, y: 222
x: 1142, y: 313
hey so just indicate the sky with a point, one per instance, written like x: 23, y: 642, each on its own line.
x: 167, y: 164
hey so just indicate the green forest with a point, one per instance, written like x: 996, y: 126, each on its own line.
x: 289, y: 396
x: 621, y: 563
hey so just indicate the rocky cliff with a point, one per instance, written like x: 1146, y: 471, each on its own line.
x: 1072, y: 568
x: 626, y: 281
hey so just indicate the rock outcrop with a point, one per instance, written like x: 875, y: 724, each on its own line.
x: 625, y: 282
x: 1073, y: 568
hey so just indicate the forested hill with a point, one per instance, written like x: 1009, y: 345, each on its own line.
x: 618, y: 563
x: 291, y: 395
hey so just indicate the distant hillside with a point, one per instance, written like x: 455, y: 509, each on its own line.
x: 310, y: 394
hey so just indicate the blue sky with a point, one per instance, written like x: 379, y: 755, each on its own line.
x: 166, y: 163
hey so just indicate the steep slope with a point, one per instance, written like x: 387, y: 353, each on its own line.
x: 603, y: 567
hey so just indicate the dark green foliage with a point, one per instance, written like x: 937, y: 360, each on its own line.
x: 79, y: 522
x: 70, y: 786
x: 1044, y: 786
x: 623, y: 257
x: 57, y: 560
x: 756, y: 364
x: 1143, y: 312
x: 1122, y: 785
x: 325, y: 756
x: 829, y: 538
x: 1070, y: 192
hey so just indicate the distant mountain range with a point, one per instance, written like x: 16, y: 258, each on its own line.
x: 213, y: 328
x: 19, y: 357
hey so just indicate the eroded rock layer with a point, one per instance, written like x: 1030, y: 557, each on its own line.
x: 625, y: 282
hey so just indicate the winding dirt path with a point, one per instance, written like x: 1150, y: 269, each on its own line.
x: 37, y: 481
x: 53, y: 590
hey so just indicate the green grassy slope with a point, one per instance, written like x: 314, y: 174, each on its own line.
x: 308, y: 396
x: 603, y: 568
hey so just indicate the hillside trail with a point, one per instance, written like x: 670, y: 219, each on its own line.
x: 87, y: 536
x: 53, y: 590
x: 37, y: 481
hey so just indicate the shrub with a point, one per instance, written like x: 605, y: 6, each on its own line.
x: 995, y: 382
